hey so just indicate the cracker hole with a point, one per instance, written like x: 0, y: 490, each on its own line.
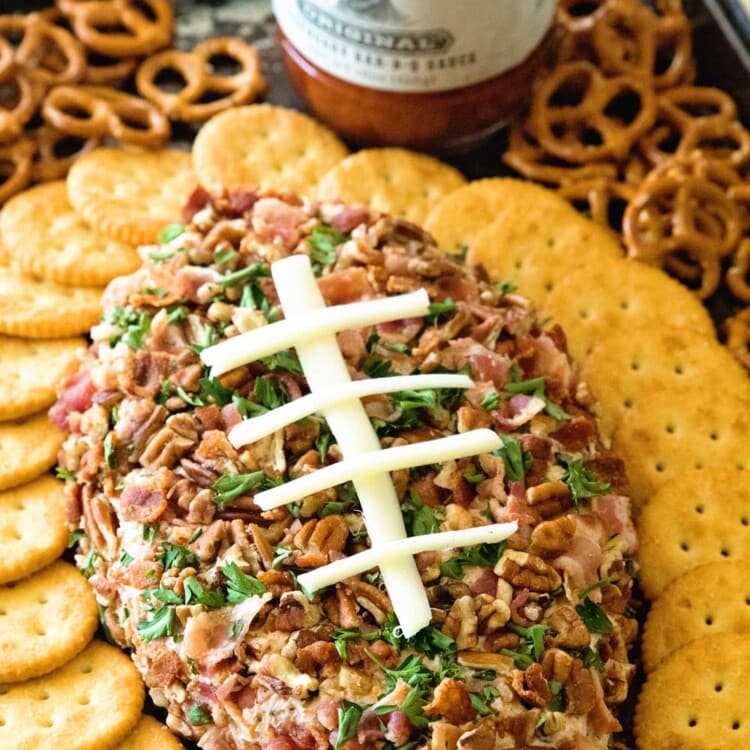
x: 685, y: 547
x: 84, y: 700
x: 670, y: 428
x: 699, y: 509
x: 44, y: 696
x: 41, y: 632
x: 46, y: 723
x: 660, y: 467
x: 635, y: 366
x: 736, y: 725
x: 744, y: 521
x: 583, y: 313
x: 709, y: 621
x: 624, y: 305
x: 678, y: 370
x: 42, y: 600
x: 88, y: 669
x: 2, y: 722
x: 718, y: 687
x: 628, y: 403
x: 714, y: 436
x: 693, y: 722
x: 725, y: 552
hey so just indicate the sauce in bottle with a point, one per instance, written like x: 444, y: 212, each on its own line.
x: 429, y: 74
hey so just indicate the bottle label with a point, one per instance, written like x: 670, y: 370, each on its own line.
x: 415, y: 45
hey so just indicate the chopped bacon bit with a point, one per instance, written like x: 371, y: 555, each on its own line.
x: 342, y: 287
x: 197, y: 200
x: 142, y: 504
x: 348, y: 218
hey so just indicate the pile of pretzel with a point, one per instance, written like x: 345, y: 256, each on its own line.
x: 68, y: 76
x: 620, y: 129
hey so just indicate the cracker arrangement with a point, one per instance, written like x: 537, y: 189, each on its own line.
x: 621, y: 131
x: 81, y: 75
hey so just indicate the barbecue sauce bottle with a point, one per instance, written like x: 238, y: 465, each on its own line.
x: 435, y: 75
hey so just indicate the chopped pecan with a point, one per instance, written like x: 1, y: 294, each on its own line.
x: 569, y: 629
x: 319, y: 654
x: 461, y: 623
x: 487, y: 660
x: 531, y: 686
x: 552, y: 538
x: 171, y: 443
x: 580, y: 689
x: 265, y: 550
x: 341, y: 609
x: 278, y: 582
x: 549, y: 499
x: 492, y: 613
x: 617, y: 678
x: 296, y: 612
x: 451, y: 700
x: 317, y: 538
x: 557, y: 665
x: 444, y: 736
x: 371, y: 598
x: 481, y: 738
x: 524, y: 570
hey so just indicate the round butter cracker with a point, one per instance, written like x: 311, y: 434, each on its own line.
x: 33, y: 527
x: 150, y: 735
x: 623, y: 368
x: 45, y: 621
x: 535, y: 252
x: 28, y: 448
x: 32, y: 371
x: 267, y: 146
x: 42, y: 309
x: 697, y: 699
x: 47, y: 238
x: 700, y: 517
x: 713, y: 598
x: 92, y: 703
x: 620, y: 295
x: 391, y: 180
x: 672, y: 431
x: 456, y: 221
x: 131, y: 196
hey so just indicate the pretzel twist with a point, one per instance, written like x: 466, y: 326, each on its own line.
x: 15, y: 167
x: 55, y: 152
x: 97, y: 111
x: 581, y: 116
x: 200, y: 79
x: 94, y: 20
x: 682, y: 219
x: 603, y: 200
x: 19, y: 97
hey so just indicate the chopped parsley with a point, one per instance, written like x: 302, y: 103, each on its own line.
x: 594, y: 617
x: 349, y: 715
x: 231, y: 486
x: 88, y: 564
x: 531, y: 647
x: 516, y: 460
x: 282, y: 555
x: 176, y: 314
x: 283, y: 360
x: 241, y: 585
x: 253, y: 271
x: 582, y: 482
x: 557, y: 702
x: 171, y: 232
x: 75, y: 536
x: 491, y: 401
x: 485, y: 555
x: 161, y: 625
x: 63, y: 473
x: 324, y: 242
x: 195, y: 593
x: 537, y: 387
x: 134, y: 326
x: 481, y: 701
x: 198, y: 717
x: 174, y: 556
x: 342, y: 637
x: 438, y: 309
x: 420, y: 518
x: 109, y: 451
x: 224, y: 255
x: 149, y: 532
x: 126, y: 558
x: 506, y: 286
x: 270, y: 393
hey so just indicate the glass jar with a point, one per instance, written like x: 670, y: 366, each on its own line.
x: 429, y: 74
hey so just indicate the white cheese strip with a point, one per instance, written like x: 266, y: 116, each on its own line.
x: 327, y: 575
x: 324, y: 367
x: 270, y: 339
x: 470, y: 443
x: 257, y: 428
